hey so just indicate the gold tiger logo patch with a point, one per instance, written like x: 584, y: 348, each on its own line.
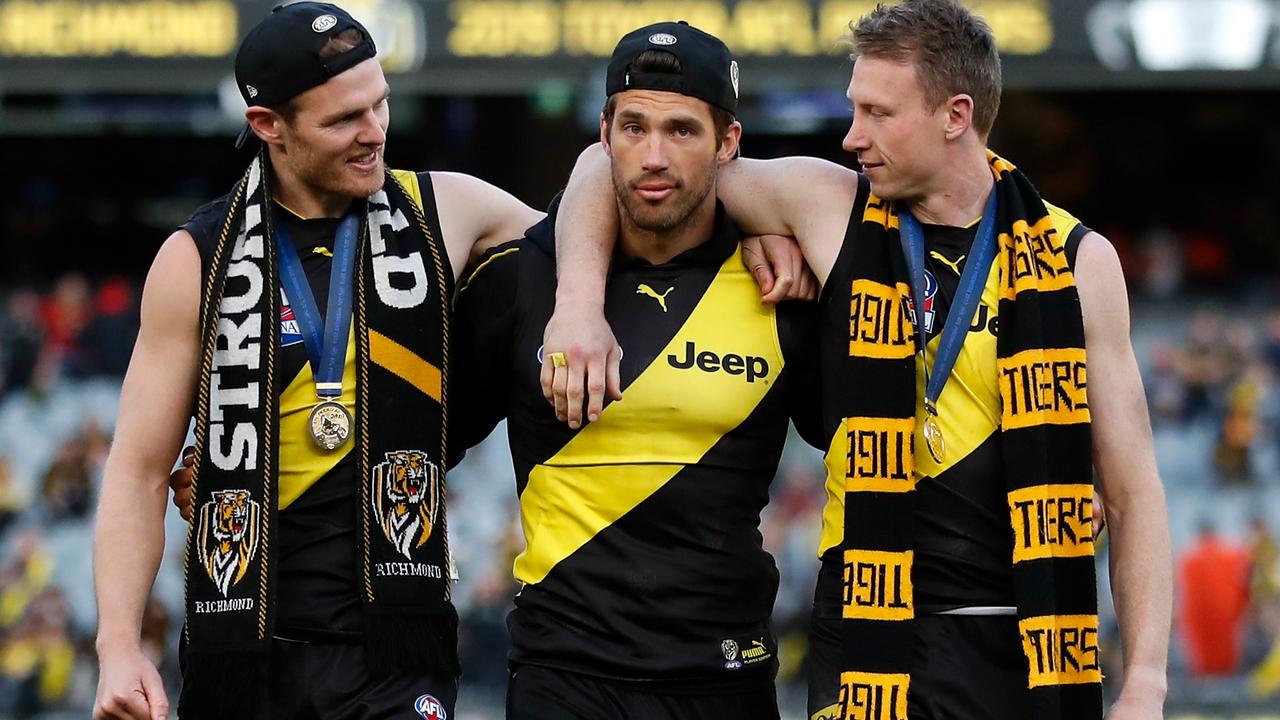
x: 406, y: 497
x: 228, y: 536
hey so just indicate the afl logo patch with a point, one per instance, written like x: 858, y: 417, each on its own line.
x: 733, y: 76
x: 430, y: 708
x: 662, y: 39
x: 323, y: 23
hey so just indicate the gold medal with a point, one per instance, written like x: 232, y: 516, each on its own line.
x: 330, y: 425
x: 933, y: 437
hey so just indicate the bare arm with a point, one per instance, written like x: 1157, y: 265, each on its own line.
x: 475, y: 216
x: 1141, y: 560
x: 800, y: 197
x: 155, y: 406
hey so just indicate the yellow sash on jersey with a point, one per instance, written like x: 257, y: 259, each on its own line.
x: 713, y: 403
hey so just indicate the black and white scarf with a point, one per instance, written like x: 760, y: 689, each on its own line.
x: 401, y: 318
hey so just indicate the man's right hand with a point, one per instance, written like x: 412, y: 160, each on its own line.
x: 129, y: 687
x: 591, y: 368
x: 180, y: 484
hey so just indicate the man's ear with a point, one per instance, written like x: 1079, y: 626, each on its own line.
x: 265, y: 123
x: 729, y: 144
x: 959, y: 115
x: 604, y: 133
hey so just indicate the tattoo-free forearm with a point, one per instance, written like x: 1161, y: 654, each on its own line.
x: 586, y: 231
x: 127, y: 549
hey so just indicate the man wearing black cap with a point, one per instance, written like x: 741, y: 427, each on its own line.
x: 302, y: 319
x: 646, y: 591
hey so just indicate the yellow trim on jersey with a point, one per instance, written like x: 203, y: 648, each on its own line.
x: 670, y: 418
x: 409, y: 180
x: 406, y: 365
x: 301, y: 462
x: 466, y: 283
x: 969, y: 409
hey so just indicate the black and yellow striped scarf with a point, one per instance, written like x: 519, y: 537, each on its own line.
x: 1046, y: 447
x: 401, y: 318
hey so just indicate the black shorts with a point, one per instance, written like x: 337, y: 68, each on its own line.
x: 329, y: 680
x: 963, y: 667
x: 539, y: 693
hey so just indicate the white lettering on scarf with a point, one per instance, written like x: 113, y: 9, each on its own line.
x: 241, y: 338
x: 410, y: 268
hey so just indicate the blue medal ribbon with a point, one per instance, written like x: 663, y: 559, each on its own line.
x: 326, y: 341
x: 968, y: 294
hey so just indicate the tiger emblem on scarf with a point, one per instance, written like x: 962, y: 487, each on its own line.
x: 228, y: 536
x: 406, y: 497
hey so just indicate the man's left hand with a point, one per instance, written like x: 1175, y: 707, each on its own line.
x: 779, y: 268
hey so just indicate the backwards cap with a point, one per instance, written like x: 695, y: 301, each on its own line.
x: 707, y: 68
x: 280, y: 57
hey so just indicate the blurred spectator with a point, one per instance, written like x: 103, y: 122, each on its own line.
x: 1166, y: 393
x: 66, y: 313
x: 1161, y: 263
x: 22, y: 338
x: 108, y: 339
x: 38, y: 657
x: 1264, y: 593
x: 1213, y: 593
x: 1203, y: 367
x: 11, y: 500
x: 67, y: 490
x: 1240, y: 425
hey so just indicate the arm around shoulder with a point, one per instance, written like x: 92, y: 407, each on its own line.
x: 800, y: 197
x: 476, y: 216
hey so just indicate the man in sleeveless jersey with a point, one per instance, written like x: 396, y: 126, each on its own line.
x: 318, y: 102
x: 925, y: 89
x: 646, y: 592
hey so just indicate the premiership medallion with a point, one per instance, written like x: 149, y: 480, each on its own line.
x: 933, y: 438
x: 330, y: 425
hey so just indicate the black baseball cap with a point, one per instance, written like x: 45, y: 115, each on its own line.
x: 707, y: 68
x: 280, y: 57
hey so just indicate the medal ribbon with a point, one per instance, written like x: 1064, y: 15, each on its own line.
x: 969, y: 292
x: 326, y: 341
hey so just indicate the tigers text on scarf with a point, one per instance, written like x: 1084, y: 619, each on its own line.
x: 401, y: 325
x: 1047, y: 463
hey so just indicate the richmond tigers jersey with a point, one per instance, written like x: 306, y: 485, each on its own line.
x: 316, y: 588
x: 964, y: 544
x: 643, y: 557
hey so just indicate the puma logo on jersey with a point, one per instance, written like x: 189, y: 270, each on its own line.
x: 643, y: 289
x: 322, y: 251
x: 752, y: 366
x: 955, y: 266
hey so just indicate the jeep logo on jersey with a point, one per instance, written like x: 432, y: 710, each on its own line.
x: 753, y: 367
x: 430, y: 708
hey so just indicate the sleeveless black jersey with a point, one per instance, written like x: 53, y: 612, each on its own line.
x: 316, y: 588
x: 964, y: 544
x: 643, y: 557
